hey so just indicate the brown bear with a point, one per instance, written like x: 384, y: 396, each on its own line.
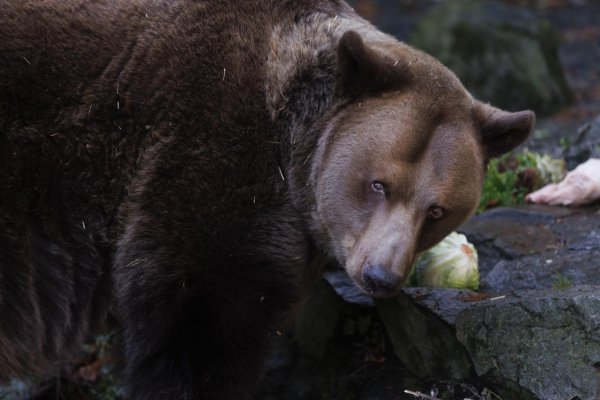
x: 182, y: 162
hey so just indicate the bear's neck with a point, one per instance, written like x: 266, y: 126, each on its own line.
x: 307, y: 125
x: 303, y: 97
x: 305, y: 122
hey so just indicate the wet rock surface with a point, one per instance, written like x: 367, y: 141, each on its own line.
x: 586, y: 144
x: 542, y: 344
x: 575, y: 145
x: 533, y: 330
x: 536, y: 247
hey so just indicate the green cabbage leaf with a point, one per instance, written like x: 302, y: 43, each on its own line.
x: 452, y: 263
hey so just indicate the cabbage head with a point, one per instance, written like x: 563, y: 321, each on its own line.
x: 452, y: 263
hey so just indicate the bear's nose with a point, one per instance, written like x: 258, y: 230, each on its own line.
x: 380, y: 280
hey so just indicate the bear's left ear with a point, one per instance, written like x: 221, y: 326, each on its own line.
x: 501, y: 131
x: 365, y: 70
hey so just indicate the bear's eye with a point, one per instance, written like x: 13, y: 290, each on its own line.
x: 378, y: 188
x: 436, y: 212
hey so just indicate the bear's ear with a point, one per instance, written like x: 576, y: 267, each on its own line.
x: 501, y: 131
x: 365, y: 70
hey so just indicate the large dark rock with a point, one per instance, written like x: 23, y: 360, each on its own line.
x: 15, y: 390
x: 334, y: 349
x: 586, y: 144
x: 502, y: 54
x: 533, y: 330
x: 541, y: 344
x: 536, y: 247
x: 573, y: 143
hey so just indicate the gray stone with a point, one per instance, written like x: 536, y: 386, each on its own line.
x: 424, y: 342
x: 536, y: 247
x: 537, y: 344
x: 534, y: 332
x: 531, y: 333
x: 502, y: 54
x: 15, y: 390
x: 586, y: 145
x: 343, y: 286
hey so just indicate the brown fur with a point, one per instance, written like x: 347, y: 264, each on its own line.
x: 186, y: 160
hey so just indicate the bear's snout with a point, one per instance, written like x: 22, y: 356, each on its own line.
x: 380, y: 281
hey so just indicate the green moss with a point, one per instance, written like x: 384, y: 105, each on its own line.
x: 560, y: 282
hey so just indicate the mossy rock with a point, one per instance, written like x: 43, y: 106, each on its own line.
x: 504, y: 55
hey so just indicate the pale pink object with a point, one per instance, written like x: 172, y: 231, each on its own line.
x: 580, y: 186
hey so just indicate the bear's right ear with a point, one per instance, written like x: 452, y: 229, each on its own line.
x: 364, y: 70
x: 501, y: 131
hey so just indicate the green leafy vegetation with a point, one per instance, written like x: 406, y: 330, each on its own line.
x: 452, y: 263
x: 510, y: 177
x: 561, y: 282
x: 564, y: 142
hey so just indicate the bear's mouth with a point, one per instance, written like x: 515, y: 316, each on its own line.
x: 376, y: 289
x: 376, y: 279
x: 378, y: 292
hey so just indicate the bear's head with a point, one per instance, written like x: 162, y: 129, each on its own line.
x: 403, y: 161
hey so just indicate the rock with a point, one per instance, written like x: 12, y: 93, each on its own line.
x: 333, y: 350
x: 575, y: 144
x: 542, y: 344
x: 15, y: 390
x: 536, y: 247
x: 586, y: 145
x: 531, y: 333
x: 531, y: 345
x: 504, y: 55
x: 536, y: 309
x: 343, y: 286
x: 509, y: 233
x: 423, y: 341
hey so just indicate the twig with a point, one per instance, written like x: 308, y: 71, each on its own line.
x: 305, y: 161
x: 421, y: 395
x: 282, y: 95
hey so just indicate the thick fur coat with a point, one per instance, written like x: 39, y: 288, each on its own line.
x: 184, y: 161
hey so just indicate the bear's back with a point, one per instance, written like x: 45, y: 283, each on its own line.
x: 94, y: 97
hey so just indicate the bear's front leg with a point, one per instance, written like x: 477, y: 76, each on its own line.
x: 197, y: 306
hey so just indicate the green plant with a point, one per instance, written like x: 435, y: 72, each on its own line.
x: 500, y: 187
x: 509, y: 178
x: 561, y: 282
x: 452, y: 263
